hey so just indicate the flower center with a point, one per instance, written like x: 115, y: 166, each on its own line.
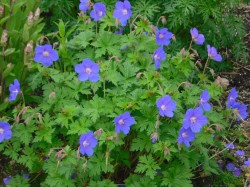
x: 156, y: 57
x: 1, y: 131
x: 203, y: 101
x: 161, y: 36
x: 124, y: 11
x: 193, y: 119
x: 184, y: 135
x: 100, y: 13
x: 45, y: 53
x: 88, y: 70
x: 121, y: 122
x: 15, y: 91
x: 231, y: 99
x: 163, y: 107
x: 85, y: 143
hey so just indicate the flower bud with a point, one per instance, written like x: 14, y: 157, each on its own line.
x: 1, y: 11
x: 29, y: 47
x: 98, y: 132
x: 37, y: 14
x: 4, y: 37
x: 163, y: 20
x: 154, y: 137
x: 52, y: 95
x: 222, y: 82
x: 30, y: 19
x: 218, y: 128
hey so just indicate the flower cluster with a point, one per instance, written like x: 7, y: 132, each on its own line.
x: 194, y: 120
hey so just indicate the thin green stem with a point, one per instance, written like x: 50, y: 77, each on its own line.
x: 190, y: 45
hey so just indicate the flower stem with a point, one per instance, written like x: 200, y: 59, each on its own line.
x: 190, y: 45
x: 205, y: 67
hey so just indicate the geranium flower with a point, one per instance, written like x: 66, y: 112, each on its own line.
x: 196, y: 37
x: 14, y: 90
x: 195, y: 120
x: 87, y: 143
x: 232, y: 96
x: 84, y: 5
x: 5, y: 131
x: 186, y: 136
x: 88, y: 70
x: 212, y: 53
x: 158, y: 56
x: 230, y: 166
x: 45, y: 55
x: 240, y: 110
x: 240, y: 152
x: 98, y: 12
x: 6, y: 180
x: 230, y: 145
x: 122, y: 12
x: 247, y: 163
x: 166, y: 106
x: 163, y: 37
x: 123, y: 123
x: 204, y: 98
x: 236, y: 172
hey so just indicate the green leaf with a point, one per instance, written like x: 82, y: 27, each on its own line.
x: 147, y: 165
x: 81, y: 40
x: 9, y: 51
x: 103, y: 183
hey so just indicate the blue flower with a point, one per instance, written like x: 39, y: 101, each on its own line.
x: 186, y: 136
x: 230, y: 166
x: 88, y: 70
x: 7, y: 180
x: 247, y: 163
x: 45, y: 55
x: 122, y: 12
x: 232, y: 96
x: 212, y: 53
x: 119, y: 31
x: 196, y: 37
x: 240, y: 110
x: 98, y: 12
x: 163, y: 37
x: 240, y: 152
x: 195, y: 120
x: 84, y: 5
x: 230, y: 145
x: 123, y: 123
x: 204, y: 98
x: 166, y: 106
x: 87, y: 143
x: 14, y: 90
x: 236, y: 172
x: 5, y: 131
x: 158, y: 56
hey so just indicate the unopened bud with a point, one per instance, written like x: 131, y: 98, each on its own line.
x: 212, y: 72
x: 1, y: 11
x: 30, y: 18
x: 183, y: 52
x: 116, y: 58
x: 52, y: 95
x: 4, y: 38
x: 29, y: 47
x: 166, y: 151
x: 198, y: 62
x: 187, y: 85
x: 139, y: 74
x: 98, y: 132
x: 163, y: 20
x: 37, y: 14
x: 154, y: 137
x: 218, y: 128
x: 210, y: 130
x: 222, y: 82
